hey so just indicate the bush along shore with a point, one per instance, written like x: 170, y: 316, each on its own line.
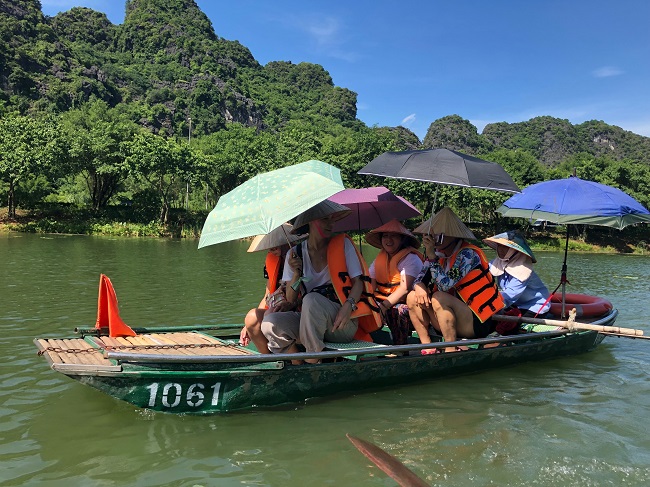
x: 118, y: 222
x: 113, y: 221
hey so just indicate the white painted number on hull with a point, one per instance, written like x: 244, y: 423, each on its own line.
x: 172, y: 394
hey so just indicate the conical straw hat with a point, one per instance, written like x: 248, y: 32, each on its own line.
x: 513, y: 240
x: 275, y: 238
x: 373, y: 237
x: 447, y: 223
x: 321, y: 210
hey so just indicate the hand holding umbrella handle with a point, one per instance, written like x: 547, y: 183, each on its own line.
x: 429, y: 245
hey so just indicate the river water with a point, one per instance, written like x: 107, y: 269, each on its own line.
x: 580, y: 421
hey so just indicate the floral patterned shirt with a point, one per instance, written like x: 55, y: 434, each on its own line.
x: 435, y: 273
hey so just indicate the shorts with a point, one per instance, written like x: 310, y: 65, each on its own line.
x: 481, y: 330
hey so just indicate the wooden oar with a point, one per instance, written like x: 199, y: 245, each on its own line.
x: 388, y: 463
x: 572, y: 325
x: 642, y: 337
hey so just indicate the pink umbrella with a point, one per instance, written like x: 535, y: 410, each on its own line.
x: 371, y: 208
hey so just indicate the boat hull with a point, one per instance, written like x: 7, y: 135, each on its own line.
x: 207, y: 388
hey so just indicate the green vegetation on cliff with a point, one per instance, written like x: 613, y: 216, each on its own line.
x: 152, y: 120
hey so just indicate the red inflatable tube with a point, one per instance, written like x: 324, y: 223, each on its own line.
x: 585, y: 305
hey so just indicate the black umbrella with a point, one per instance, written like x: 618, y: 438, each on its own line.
x: 441, y: 166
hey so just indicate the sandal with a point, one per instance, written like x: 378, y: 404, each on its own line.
x: 430, y: 351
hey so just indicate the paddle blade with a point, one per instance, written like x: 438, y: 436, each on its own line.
x: 388, y: 463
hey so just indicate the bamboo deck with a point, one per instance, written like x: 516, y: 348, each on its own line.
x: 88, y: 353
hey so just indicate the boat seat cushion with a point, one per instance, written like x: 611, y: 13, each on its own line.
x: 351, y: 345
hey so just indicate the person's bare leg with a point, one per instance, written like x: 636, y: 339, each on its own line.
x: 419, y: 317
x: 455, y: 318
x: 294, y: 349
x: 253, y: 324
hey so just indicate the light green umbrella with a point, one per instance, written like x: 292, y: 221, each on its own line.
x: 268, y: 200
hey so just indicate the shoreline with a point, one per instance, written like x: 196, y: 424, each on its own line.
x: 545, y: 241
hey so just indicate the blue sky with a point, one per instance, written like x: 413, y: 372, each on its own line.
x: 412, y: 62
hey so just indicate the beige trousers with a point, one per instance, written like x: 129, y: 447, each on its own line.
x: 311, y: 327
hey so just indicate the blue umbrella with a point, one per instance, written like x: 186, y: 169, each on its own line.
x: 575, y: 201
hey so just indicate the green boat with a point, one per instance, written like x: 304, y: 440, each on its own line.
x: 203, y: 369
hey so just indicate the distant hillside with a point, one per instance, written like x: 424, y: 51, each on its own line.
x: 163, y: 65
x: 550, y: 140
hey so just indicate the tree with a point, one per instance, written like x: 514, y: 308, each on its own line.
x: 99, y: 143
x: 522, y: 166
x: 163, y: 163
x: 28, y: 147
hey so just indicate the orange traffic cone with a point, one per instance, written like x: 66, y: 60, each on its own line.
x: 108, y: 316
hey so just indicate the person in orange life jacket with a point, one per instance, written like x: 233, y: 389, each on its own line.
x: 454, y: 292
x: 392, y: 274
x: 322, y: 315
x: 277, y: 244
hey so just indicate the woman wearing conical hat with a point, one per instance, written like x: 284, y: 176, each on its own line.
x: 455, y: 292
x: 392, y: 274
x: 276, y: 243
x: 519, y: 284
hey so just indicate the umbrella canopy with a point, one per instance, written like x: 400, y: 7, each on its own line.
x: 276, y: 238
x: 441, y: 166
x: 268, y: 200
x: 371, y: 208
x: 576, y: 201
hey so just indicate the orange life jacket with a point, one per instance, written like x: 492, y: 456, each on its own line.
x: 477, y: 288
x: 386, y: 273
x: 273, y: 265
x: 367, y: 310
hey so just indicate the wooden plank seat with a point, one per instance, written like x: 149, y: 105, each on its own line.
x: 178, y: 343
x: 88, y: 352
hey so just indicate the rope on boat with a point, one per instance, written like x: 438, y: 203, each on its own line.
x: 107, y: 348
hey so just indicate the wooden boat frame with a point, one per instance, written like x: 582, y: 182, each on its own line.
x: 202, y: 369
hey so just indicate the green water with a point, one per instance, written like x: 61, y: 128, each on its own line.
x: 580, y: 421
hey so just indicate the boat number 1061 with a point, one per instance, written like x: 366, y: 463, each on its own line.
x: 171, y: 394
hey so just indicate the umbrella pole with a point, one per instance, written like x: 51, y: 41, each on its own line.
x: 359, y: 220
x: 284, y: 230
x: 563, y: 279
x: 433, y: 207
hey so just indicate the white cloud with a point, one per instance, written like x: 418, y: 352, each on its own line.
x: 406, y: 121
x: 326, y: 32
x: 607, y: 71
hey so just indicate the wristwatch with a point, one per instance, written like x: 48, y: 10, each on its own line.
x: 352, y: 302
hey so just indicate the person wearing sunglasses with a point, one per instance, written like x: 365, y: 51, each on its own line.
x: 454, y: 292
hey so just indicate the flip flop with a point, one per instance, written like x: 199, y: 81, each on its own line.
x: 430, y: 351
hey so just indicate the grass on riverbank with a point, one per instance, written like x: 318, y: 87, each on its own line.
x: 121, y: 222
x: 114, y: 221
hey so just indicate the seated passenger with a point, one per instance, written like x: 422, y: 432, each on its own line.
x: 455, y: 292
x: 327, y: 271
x: 277, y: 244
x: 392, y: 274
x: 519, y: 284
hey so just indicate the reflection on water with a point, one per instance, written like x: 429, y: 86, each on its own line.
x: 574, y: 421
